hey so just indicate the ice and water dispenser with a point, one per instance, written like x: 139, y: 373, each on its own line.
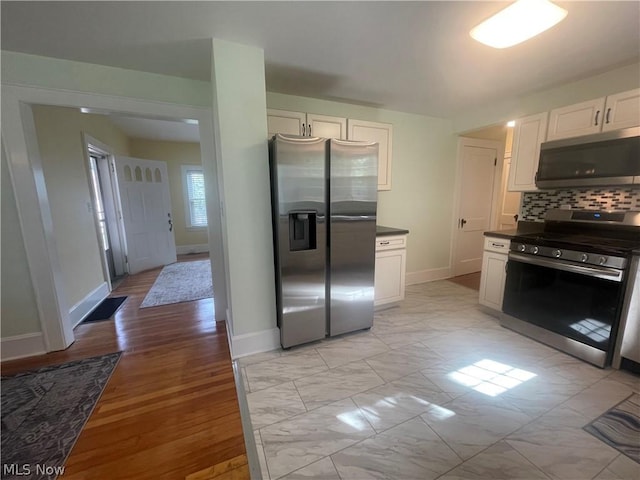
x: 302, y: 231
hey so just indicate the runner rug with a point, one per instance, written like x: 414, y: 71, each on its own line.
x: 43, y: 412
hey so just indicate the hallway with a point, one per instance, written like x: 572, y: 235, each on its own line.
x: 170, y: 410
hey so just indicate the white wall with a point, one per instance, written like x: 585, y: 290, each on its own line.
x: 240, y: 119
x: 19, y: 308
x: 35, y: 70
x: 423, y: 176
x: 607, y: 83
x: 59, y: 132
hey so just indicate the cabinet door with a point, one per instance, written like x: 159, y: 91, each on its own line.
x: 528, y: 135
x: 282, y: 121
x: 326, y: 127
x: 492, y: 280
x: 389, y: 279
x: 575, y: 120
x: 381, y: 133
x: 622, y: 110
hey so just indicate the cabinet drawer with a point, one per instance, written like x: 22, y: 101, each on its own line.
x: 391, y: 242
x: 498, y: 245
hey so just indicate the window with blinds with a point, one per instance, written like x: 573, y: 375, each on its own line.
x: 196, y: 209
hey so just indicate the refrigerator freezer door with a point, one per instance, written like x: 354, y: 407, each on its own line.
x: 353, y: 194
x: 299, y: 214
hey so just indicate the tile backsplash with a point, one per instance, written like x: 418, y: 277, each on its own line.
x: 535, y: 204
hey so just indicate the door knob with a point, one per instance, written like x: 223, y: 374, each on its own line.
x: 515, y: 217
x: 170, y: 222
x: 462, y: 222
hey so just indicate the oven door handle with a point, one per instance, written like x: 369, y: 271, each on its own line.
x: 591, y: 270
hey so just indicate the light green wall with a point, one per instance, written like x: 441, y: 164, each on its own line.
x: 175, y: 154
x: 607, y: 83
x: 423, y: 172
x: 19, y: 309
x: 59, y: 131
x: 240, y: 119
x: 34, y: 70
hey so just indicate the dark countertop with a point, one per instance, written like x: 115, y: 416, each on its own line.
x: 522, y: 228
x: 386, y: 231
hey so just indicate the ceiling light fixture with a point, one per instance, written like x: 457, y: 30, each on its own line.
x: 518, y: 22
x: 511, y: 123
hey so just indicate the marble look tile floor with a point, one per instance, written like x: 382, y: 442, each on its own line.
x: 436, y: 389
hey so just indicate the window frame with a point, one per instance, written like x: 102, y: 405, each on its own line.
x: 185, y: 169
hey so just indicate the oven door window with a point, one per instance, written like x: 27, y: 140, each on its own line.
x: 573, y: 305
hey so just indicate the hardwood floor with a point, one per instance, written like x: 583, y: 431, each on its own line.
x: 170, y: 410
x: 472, y: 280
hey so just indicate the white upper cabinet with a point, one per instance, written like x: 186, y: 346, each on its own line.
x: 529, y: 133
x: 326, y: 126
x: 382, y: 133
x: 305, y: 124
x: 575, y: 120
x: 282, y: 121
x: 600, y: 115
x: 622, y: 110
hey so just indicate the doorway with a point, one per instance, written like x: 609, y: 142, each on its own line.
x: 105, y: 210
x: 40, y: 207
x: 477, y: 178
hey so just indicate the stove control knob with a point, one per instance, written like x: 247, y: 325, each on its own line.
x: 584, y: 257
x: 557, y: 253
x: 535, y: 250
x: 602, y: 260
x: 522, y: 247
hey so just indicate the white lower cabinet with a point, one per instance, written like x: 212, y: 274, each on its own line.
x: 493, y: 275
x: 391, y: 264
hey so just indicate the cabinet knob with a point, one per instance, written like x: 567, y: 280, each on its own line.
x: 303, y: 130
x: 309, y: 125
x: 597, y: 115
x: 606, y: 120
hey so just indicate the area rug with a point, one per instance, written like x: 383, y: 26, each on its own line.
x: 43, y: 412
x: 105, y: 310
x: 620, y: 427
x: 181, y: 282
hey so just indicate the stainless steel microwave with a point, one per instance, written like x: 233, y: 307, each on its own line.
x: 608, y: 158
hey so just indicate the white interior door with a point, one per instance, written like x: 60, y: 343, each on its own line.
x: 146, y: 213
x: 475, y: 202
x: 510, y: 204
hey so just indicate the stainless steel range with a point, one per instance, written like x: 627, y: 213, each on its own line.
x: 567, y: 286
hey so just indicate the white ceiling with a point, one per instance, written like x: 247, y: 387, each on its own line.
x: 156, y: 129
x: 408, y: 56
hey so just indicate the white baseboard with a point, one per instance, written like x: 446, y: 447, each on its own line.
x: 197, y: 248
x: 424, y: 276
x: 20, y: 346
x: 80, y: 310
x: 257, y: 342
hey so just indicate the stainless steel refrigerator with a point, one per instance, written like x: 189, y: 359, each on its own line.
x: 323, y: 197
